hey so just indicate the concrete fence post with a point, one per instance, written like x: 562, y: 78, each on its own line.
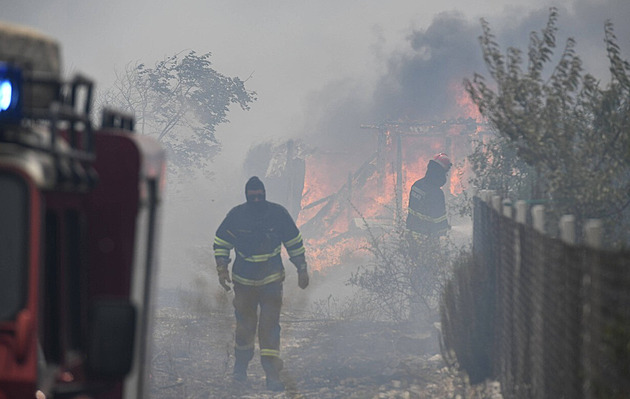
x: 538, y: 217
x: 496, y: 203
x: 521, y: 211
x: 593, y: 232
x: 486, y: 196
x: 591, y: 308
x: 567, y: 229
x: 507, y: 208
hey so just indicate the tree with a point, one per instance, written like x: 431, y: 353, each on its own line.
x: 573, y: 133
x: 497, y: 167
x: 180, y: 101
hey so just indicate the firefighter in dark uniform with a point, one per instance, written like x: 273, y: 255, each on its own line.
x: 256, y: 230
x: 427, y: 208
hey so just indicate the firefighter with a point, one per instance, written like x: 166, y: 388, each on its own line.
x: 255, y: 230
x: 427, y: 208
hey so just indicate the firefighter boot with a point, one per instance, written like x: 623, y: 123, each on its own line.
x: 272, y: 366
x: 240, y: 364
x: 240, y: 372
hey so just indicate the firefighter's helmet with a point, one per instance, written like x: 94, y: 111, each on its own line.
x: 443, y: 160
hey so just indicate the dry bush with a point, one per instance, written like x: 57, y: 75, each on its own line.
x: 405, y: 278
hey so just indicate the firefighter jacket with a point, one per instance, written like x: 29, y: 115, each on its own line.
x: 256, y: 235
x: 427, y: 208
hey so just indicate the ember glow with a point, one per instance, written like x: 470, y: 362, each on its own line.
x: 340, y: 198
x: 466, y: 104
x: 334, y: 218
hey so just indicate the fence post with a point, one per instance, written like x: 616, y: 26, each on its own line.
x: 507, y: 208
x: 538, y: 324
x: 521, y: 211
x: 519, y: 308
x: 567, y: 229
x: 591, y: 307
x: 496, y: 203
x: 486, y: 196
x: 571, y: 299
x: 538, y: 216
x: 593, y: 233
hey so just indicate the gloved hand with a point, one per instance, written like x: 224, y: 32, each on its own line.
x: 223, y: 273
x: 303, y: 277
x: 300, y: 263
x: 224, y: 278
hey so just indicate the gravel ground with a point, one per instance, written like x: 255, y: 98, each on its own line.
x: 192, y: 358
x: 324, y: 357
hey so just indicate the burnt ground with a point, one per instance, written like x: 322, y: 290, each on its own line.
x: 329, y: 351
x: 323, y: 358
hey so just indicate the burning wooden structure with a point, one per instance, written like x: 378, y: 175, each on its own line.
x: 331, y: 209
x: 377, y: 191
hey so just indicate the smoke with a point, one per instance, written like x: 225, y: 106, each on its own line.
x: 421, y: 82
x: 310, y: 65
x: 418, y: 84
x: 582, y: 20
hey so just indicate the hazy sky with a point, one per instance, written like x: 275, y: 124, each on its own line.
x: 292, y: 49
x: 320, y: 68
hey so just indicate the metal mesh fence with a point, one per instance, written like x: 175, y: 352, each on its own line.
x: 545, y: 318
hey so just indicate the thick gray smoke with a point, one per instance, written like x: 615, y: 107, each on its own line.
x: 419, y: 85
x: 421, y: 82
x: 312, y: 54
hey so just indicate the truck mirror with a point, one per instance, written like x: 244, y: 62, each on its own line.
x: 111, y: 338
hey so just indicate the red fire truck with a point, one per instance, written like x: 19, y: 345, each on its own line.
x: 79, y: 211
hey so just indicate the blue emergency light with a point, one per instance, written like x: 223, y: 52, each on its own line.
x: 10, y: 94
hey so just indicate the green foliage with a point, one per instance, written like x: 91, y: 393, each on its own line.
x: 180, y: 101
x: 574, y: 134
x: 497, y: 167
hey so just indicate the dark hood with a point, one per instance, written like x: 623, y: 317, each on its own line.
x: 436, y: 175
x: 255, y: 207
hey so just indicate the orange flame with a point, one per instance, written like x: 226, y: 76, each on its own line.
x: 466, y: 105
x: 374, y: 198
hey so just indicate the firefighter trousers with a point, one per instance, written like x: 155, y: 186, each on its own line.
x: 247, y: 300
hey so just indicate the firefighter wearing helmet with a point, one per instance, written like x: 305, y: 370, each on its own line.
x: 427, y: 208
x: 256, y: 230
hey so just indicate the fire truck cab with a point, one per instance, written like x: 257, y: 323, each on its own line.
x: 79, y: 212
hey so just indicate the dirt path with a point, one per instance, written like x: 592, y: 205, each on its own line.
x: 323, y: 359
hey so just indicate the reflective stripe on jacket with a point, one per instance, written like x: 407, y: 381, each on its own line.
x: 257, y: 239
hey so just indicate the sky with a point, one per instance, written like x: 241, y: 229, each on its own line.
x: 289, y: 50
x: 319, y: 68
